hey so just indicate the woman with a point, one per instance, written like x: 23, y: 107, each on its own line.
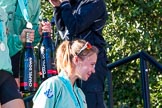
x: 74, y: 59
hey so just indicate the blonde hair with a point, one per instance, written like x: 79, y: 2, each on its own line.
x: 68, y: 49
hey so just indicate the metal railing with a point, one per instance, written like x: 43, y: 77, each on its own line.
x: 144, y: 57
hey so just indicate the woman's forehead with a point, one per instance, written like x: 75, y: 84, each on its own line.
x: 91, y: 58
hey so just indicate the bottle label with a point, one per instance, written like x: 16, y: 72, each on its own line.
x: 43, y: 62
x: 47, y: 67
x: 30, y: 72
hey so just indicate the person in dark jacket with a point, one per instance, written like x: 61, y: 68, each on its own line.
x: 85, y: 19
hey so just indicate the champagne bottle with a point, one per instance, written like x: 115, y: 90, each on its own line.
x: 28, y: 66
x: 47, y: 66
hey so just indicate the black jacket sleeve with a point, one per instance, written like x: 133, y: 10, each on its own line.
x: 81, y: 19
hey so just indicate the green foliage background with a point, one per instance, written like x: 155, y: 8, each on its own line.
x: 132, y: 26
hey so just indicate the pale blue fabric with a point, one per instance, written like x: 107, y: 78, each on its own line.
x: 58, y: 92
x: 1, y: 32
x: 5, y: 62
x: 23, y: 6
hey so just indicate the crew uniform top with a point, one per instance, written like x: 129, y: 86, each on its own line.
x: 5, y: 62
x: 58, y: 92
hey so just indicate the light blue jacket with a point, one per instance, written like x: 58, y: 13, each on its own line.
x: 16, y: 22
x: 5, y: 62
x: 58, y: 92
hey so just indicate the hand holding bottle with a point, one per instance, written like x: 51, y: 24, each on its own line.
x: 45, y: 26
x: 24, y: 33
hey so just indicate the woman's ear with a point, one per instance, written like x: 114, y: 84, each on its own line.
x: 76, y: 60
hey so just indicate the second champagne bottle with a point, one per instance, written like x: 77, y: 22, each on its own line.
x: 47, y: 56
